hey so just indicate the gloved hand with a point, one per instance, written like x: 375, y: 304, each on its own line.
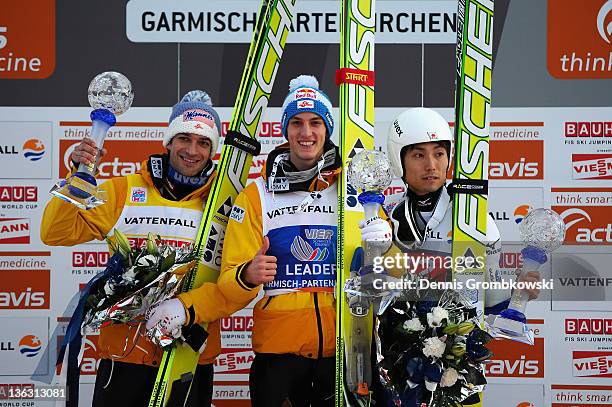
x: 376, y: 231
x: 169, y: 316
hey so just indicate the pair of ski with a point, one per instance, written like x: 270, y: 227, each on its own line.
x: 178, y: 365
x: 356, y: 82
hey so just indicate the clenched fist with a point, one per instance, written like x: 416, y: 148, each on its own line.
x: 85, y: 152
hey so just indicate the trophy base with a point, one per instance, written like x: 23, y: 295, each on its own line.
x: 79, y: 192
x: 500, y: 327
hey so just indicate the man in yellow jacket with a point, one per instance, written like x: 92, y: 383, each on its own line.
x: 281, y: 239
x: 166, y: 198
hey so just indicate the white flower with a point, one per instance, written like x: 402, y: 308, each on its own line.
x: 434, y: 347
x: 147, y: 260
x: 130, y: 275
x: 413, y: 325
x: 431, y: 386
x: 435, y: 317
x: 108, y: 289
x: 449, y: 377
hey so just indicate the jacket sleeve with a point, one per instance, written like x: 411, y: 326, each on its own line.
x: 63, y: 224
x: 208, y: 303
x: 243, y: 239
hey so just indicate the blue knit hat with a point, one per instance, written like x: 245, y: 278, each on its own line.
x: 194, y: 114
x: 305, y: 96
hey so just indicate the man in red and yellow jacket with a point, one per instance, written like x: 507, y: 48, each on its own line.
x: 166, y: 198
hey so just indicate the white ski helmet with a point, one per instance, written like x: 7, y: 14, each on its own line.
x: 414, y: 126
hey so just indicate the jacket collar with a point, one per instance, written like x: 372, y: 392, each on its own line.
x: 329, y: 174
x: 154, y: 170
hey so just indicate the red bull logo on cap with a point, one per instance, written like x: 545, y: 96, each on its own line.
x: 305, y: 93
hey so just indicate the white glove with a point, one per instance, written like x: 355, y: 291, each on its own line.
x: 169, y: 316
x: 376, y: 230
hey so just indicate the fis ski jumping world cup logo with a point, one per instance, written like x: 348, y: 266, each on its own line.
x: 303, y: 251
x: 33, y: 149
x: 30, y: 346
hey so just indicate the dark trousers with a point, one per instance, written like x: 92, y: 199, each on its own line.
x: 130, y: 385
x: 292, y: 380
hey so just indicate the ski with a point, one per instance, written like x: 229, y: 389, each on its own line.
x: 355, y: 79
x: 472, y: 118
x: 178, y: 365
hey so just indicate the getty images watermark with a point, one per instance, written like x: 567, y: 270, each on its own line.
x: 420, y: 272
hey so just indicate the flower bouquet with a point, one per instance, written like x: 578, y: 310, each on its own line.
x: 134, y: 281
x: 431, y: 349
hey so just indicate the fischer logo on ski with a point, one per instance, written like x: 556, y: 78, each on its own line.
x: 472, y: 119
x: 178, y: 365
x: 355, y: 78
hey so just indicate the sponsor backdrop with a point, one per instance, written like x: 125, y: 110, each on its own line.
x: 551, y: 146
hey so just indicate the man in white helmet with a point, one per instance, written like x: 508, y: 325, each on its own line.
x: 420, y: 147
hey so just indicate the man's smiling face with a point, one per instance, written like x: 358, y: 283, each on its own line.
x: 189, y: 153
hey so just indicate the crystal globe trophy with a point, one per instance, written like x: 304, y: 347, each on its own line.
x: 370, y: 172
x: 542, y: 231
x: 110, y: 94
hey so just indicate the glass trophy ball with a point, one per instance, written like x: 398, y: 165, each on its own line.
x: 543, y: 228
x: 111, y: 91
x: 370, y: 170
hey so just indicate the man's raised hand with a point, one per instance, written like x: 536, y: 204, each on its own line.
x: 262, y: 269
x: 85, y: 152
